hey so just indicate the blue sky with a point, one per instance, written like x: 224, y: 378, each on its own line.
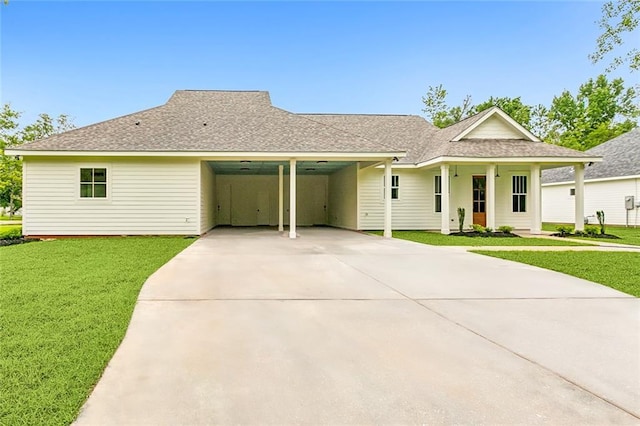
x: 99, y: 60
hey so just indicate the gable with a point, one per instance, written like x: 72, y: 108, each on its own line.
x: 495, y: 127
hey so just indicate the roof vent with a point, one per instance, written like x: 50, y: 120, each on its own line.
x: 204, y: 124
x: 137, y: 123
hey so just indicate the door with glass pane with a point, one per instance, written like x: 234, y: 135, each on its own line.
x: 480, y: 200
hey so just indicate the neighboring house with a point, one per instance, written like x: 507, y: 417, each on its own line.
x: 607, y: 185
x: 209, y: 158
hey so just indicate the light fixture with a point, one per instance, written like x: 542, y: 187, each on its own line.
x: 456, y: 173
x: 309, y: 169
x: 396, y: 159
x: 245, y: 161
x: 590, y: 163
x: 497, y: 171
x: 322, y: 162
x: 244, y: 168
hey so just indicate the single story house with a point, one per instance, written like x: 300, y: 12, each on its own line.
x: 211, y: 158
x: 612, y: 185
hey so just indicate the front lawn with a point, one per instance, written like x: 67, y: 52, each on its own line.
x: 6, y: 230
x: 437, y: 239
x: 65, y: 306
x: 619, y: 270
x: 627, y: 235
x: 3, y: 217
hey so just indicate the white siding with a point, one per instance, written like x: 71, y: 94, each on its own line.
x: 494, y: 128
x: 208, y: 202
x: 558, y: 205
x: 462, y: 195
x: 248, y: 194
x: 414, y: 208
x: 343, y: 198
x: 144, y: 196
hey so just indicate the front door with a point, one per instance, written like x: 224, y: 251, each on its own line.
x: 480, y: 200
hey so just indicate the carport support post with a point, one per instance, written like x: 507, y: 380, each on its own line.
x: 491, y: 196
x: 444, y: 214
x: 578, y: 171
x: 292, y: 198
x: 387, y: 199
x: 281, y: 198
x: 536, y: 205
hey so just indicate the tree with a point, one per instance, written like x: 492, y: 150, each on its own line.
x: 618, y: 19
x: 601, y: 110
x: 12, y: 135
x: 439, y: 113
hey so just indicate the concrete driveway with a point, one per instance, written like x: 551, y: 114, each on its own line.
x: 337, y: 327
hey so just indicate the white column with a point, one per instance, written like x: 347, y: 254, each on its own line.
x: 536, y: 205
x: 444, y: 215
x: 578, y: 172
x: 490, y: 205
x: 387, y: 199
x: 292, y: 198
x: 281, y: 198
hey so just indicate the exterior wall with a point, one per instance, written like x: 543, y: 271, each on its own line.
x: 343, y: 198
x: 414, y: 208
x: 494, y: 128
x: 243, y: 195
x: 144, y: 196
x: 558, y: 204
x: 208, y: 202
x: 462, y: 196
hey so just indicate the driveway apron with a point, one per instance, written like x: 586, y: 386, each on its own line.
x: 337, y: 327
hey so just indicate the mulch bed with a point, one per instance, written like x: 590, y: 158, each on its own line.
x: 495, y: 234
x: 19, y: 240
x: 603, y: 236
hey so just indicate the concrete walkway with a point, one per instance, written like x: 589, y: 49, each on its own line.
x: 337, y: 327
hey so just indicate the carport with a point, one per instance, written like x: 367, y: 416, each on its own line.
x: 258, y: 191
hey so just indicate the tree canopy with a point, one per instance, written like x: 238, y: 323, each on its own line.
x: 600, y: 110
x: 619, y: 20
x: 11, y: 135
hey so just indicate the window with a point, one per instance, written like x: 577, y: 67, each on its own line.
x: 93, y: 183
x: 438, y: 192
x: 519, y: 194
x: 572, y: 191
x: 395, y: 187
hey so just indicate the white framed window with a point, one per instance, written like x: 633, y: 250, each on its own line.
x: 437, y: 184
x: 395, y: 187
x: 519, y: 194
x: 93, y: 182
x: 572, y: 191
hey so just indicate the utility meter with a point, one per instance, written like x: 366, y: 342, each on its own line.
x: 629, y: 202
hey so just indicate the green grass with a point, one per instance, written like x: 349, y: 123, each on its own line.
x: 13, y: 218
x: 627, y: 235
x: 9, y: 229
x: 437, y: 239
x: 618, y: 270
x: 65, y: 306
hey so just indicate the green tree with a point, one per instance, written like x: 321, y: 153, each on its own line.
x: 619, y: 19
x: 11, y: 135
x: 439, y: 112
x: 599, y: 111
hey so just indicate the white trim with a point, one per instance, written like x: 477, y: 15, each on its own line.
x: 510, y: 160
x: 446, y: 184
x: 280, y: 198
x: 293, y: 171
x: 570, y: 182
x: 212, y: 155
x: 388, y: 181
x: 495, y: 110
x: 108, y: 171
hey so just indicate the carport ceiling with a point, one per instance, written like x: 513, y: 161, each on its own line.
x: 271, y: 167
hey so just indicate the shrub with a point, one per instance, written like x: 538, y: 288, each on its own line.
x: 506, y: 229
x: 600, y: 215
x: 488, y: 229
x: 461, y: 213
x: 591, y: 230
x: 478, y: 228
x: 11, y: 234
x: 564, y: 230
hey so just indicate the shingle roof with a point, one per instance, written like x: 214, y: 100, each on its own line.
x: 245, y: 121
x: 410, y: 131
x: 220, y: 121
x: 621, y: 157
